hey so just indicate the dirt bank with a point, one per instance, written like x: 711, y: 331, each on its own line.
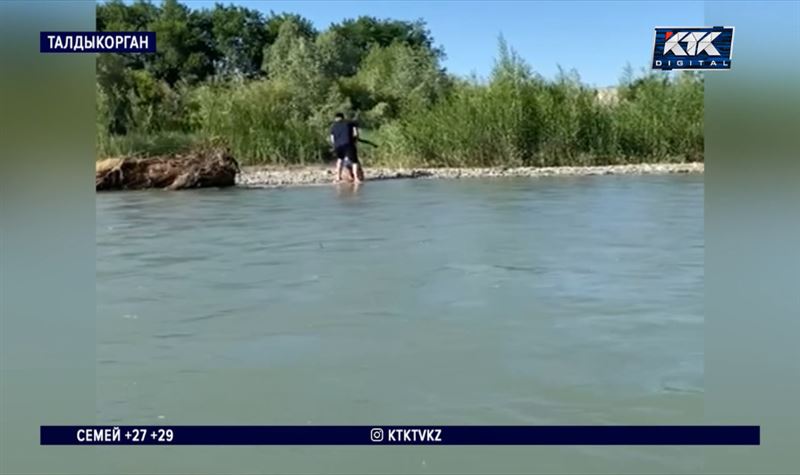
x: 212, y: 168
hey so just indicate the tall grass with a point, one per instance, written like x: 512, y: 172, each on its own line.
x: 534, y: 123
x: 661, y: 118
x: 146, y: 145
x: 255, y: 121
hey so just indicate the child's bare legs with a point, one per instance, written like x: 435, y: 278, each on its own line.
x: 357, y: 173
x: 339, y: 170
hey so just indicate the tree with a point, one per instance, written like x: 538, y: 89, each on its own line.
x: 273, y: 26
x: 365, y: 32
x: 340, y: 57
x: 402, y: 77
x: 184, y: 43
x: 114, y: 83
x: 115, y: 15
x: 293, y: 61
x: 239, y: 38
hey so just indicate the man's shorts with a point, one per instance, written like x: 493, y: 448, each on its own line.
x: 347, y: 153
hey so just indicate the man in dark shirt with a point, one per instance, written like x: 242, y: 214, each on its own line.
x: 344, y: 135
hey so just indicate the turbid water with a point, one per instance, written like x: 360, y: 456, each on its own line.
x: 569, y: 300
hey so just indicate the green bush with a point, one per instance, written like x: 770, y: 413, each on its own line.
x: 257, y: 121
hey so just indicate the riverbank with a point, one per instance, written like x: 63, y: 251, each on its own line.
x: 260, y: 177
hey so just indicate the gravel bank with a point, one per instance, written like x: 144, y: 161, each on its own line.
x: 259, y: 177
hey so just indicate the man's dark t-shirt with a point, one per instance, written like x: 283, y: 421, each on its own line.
x: 342, y: 132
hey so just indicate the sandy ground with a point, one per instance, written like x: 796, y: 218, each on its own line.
x: 273, y: 176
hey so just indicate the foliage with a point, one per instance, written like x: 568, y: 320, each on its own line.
x: 239, y: 35
x: 267, y: 88
x: 259, y: 120
x: 362, y: 34
x: 400, y: 80
x: 519, y: 119
x: 146, y: 145
x: 276, y: 20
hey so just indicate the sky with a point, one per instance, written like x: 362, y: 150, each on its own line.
x: 597, y: 39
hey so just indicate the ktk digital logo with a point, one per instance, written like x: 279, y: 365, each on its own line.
x: 698, y: 48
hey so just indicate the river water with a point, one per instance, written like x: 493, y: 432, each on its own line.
x: 564, y: 300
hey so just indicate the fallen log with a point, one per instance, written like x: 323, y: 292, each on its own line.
x: 196, y: 170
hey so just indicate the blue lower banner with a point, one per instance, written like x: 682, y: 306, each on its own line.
x: 401, y: 435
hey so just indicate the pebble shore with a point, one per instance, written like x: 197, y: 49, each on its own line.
x: 260, y: 177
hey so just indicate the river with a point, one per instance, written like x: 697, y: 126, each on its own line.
x: 565, y: 300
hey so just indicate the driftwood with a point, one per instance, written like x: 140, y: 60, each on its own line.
x: 197, y: 170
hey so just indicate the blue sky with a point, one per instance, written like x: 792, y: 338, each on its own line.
x: 596, y: 38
